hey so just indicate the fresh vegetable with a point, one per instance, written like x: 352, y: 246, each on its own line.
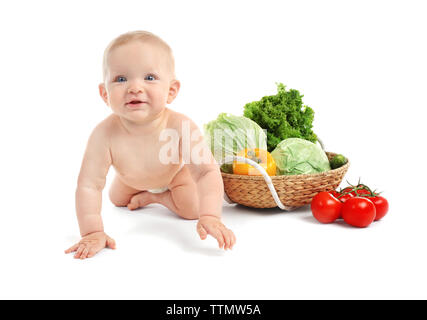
x: 260, y: 156
x: 359, y: 212
x: 362, y: 190
x: 355, y: 191
x: 325, y: 207
x: 229, y: 134
x: 360, y: 205
x: 338, y: 161
x: 336, y: 194
x: 381, y: 206
x: 283, y: 115
x: 299, y: 156
x: 343, y: 197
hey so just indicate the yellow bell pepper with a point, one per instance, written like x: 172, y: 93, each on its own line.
x: 260, y: 156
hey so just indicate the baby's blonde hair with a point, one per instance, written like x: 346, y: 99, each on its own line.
x: 138, y: 35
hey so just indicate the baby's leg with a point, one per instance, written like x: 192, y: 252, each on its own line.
x: 120, y: 193
x: 181, y: 198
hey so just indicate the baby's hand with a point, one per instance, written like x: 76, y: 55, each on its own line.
x: 90, y: 244
x: 213, y: 226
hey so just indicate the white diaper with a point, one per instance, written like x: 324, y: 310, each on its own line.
x: 159, y: 190
x: 163, y: 189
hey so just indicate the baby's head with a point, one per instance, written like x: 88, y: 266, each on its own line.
x: 142, y: 37
x: 139, y: 67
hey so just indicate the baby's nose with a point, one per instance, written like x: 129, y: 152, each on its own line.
x: 135, y: 88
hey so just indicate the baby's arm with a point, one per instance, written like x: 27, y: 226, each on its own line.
x: 211, y: 192
x: 207, y: 176
x: 91, y: 182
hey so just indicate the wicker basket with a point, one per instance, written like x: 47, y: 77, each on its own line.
x: 293, y: 191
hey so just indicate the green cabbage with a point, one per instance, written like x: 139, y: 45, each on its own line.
x: 299, y: 156
x: 229, y: 134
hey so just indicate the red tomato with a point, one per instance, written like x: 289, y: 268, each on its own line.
x: 381, y: 206
x: 348, y: 189
x: 325, y: 207
x: 344, y: 198
x: 360, y: 192
x: 358, y: 212
x: 336, y: 194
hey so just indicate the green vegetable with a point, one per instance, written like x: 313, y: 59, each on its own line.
x: 229, y: 134
x: 299, y: 156
x: 283, y: 115
x: 338, y: 161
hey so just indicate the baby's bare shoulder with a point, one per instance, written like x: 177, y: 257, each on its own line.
x: 104, y: 130
x: 179, y: 120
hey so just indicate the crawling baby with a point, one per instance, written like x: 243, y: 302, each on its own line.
x: 159, y: 155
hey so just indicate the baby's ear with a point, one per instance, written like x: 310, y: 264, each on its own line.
x: 103, y: 92
x: 173, y: 90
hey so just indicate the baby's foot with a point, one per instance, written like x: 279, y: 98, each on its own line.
x: 140, y: 200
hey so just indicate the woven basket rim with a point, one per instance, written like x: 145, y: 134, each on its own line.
x: 291, y: 176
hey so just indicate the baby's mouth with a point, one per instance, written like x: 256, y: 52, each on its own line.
x: 135, y: 102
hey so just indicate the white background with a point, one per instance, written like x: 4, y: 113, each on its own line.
x: 361, y: 66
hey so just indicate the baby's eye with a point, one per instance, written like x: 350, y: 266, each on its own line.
x: 150, y: 77
x: 120, y: 79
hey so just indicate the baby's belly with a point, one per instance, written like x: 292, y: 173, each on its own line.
x: 147, y: 180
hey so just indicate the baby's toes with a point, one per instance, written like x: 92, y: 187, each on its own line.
x: 139, y: 200
x: 133, y: 204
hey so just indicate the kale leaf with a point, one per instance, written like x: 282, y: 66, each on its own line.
x: 283, y: 115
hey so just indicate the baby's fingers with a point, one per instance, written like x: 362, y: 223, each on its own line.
x: 232, y: 238
x: 92, y: 252
x: 72, y: 249
x: 217, y: 234
x: 202, y: 232
x: 79, y: 251
x: 84, y: 253
x: 111, y: 243
x: 229, y: 238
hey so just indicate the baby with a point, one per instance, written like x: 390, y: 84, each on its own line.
x: 139, y: 80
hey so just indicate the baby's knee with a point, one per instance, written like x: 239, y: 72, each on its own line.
x: 189, y: 214
x: 188, y: 206
x: 118, y: 201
